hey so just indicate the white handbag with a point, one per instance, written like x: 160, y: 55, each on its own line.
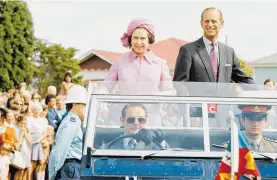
x: 18, y: 160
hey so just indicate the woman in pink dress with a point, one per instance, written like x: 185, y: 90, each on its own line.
x: 140, y: 71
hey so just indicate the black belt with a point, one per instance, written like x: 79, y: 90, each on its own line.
x: 73, y: 160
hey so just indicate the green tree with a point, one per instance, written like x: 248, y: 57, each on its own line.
x: 52, y: 61
x: 16, y: 44
x: 246, y: 68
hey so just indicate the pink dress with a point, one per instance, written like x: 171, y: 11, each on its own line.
x: 147, y: 76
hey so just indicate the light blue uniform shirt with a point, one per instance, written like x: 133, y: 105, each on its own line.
x: 69, y: 138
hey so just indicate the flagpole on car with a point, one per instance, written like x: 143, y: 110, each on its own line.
x: 234, y: 146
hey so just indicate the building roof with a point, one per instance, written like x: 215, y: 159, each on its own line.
x: 270, y: 60
x: 105, y: 55
x: 167, y: 49
x: 96, y: 74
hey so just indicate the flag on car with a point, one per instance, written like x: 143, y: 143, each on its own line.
x: 238, y: 160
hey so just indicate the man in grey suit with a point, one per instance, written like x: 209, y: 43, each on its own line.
x: 133, y: 119
x: 207, y: 59
x: 254, y: 120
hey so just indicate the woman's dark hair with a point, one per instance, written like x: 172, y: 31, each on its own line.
x: 68, y: 74
x: 151, y: 38
x: 9, y: 102
x: 49, y: 97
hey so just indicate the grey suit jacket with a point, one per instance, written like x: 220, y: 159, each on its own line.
x: 194, y: 64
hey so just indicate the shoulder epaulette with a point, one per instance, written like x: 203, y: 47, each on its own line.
x: 271, y: 140
x: 72, y: 119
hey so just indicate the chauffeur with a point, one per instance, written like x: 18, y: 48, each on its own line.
x: 254, y: 119
x: 65, y: 157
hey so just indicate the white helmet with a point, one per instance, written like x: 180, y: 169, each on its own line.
x: 77, y: 94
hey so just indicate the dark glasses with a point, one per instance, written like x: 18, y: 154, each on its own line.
x: 131, y: 120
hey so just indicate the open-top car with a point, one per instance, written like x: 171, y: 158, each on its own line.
x: 175, y: 135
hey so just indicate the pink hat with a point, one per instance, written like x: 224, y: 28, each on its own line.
x: 137, y: 23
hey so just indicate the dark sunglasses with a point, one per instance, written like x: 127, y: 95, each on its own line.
x: 131, y: 120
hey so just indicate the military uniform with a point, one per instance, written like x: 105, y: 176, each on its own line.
x: 258, y: 113
x: 263, y: 144
x: 66, y: 154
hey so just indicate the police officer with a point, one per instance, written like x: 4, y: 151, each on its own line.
x: 65, y: 156
x: 254, y: 120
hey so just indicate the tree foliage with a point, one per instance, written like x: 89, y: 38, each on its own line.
x: 16, y: 44
x: 246, y: 68
x: 52, y: 61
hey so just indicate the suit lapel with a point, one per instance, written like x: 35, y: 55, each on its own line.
x: 205, y: 58
x: 222, y: 62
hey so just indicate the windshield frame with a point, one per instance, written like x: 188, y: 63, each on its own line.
x: 91, y: 114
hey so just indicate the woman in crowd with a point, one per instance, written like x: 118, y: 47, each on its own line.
x: 36, y: 98
x: 24, y: 147
x: 9, y: 136
x: 38, y: 128
x: 66, y: 84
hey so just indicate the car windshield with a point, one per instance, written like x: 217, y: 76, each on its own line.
x: 127, y: 119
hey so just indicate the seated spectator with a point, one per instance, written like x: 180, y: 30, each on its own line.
x: 52, y: 115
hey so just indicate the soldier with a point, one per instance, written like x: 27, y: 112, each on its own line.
x: 254, y: 120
